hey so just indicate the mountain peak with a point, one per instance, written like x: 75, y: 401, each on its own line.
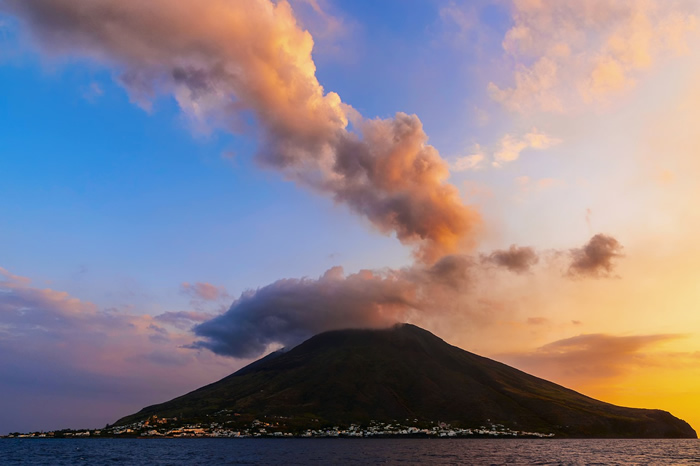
x: 404, y: 371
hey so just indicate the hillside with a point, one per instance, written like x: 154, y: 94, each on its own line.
x: 406, y: 372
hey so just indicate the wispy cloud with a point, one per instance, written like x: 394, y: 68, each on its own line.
x: 507, y: 150
x: 96, y: 365
x: 571, y: 53
x: 589, y: 357
x: 468, y: 162
x: 511, y: 146
x: 93, y: 92
x: 204, y: 291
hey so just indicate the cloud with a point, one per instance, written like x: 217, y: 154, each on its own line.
x: 507, y: 150
x: 183, y: 320
x: 98, y: 364
x: 463, y: 18
x: 468, y: 162
x: 93, y: 92
x: 24, y: 310
x: 462, y: 26
x: 527, y: 185
x: 534, y: 88
x: 569, y: 53
x: 327, y: 29
x: 289, y: 311
x: 455, y: 288
x: 222, y: 60
x: 595, y: 258
x: 204, y: 291
x: 41, y: 317
x: 537, y: 320
x: 10, y: 279
x: 396, y: 180
x: 516, y: 259
x: 588, y: 356
x: 511, y: 146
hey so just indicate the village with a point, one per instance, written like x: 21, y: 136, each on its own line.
x: 161, y: 427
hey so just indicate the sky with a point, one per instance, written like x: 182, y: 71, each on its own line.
x: 188, y: 186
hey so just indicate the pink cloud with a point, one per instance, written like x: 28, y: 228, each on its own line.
x: 573, y: 53
x: 204, y: 291
x: 66, y: 363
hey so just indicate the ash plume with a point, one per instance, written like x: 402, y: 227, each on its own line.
x: 516, y: 259
x: 223, y: 59
x: 457, y: 286
x: 595, y: 258
x: 289, y: 311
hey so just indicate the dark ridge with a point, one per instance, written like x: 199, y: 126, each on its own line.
x: 405, y: 372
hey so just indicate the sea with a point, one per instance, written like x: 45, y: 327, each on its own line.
x: 212, y: 452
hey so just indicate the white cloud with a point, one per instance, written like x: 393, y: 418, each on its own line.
x: 511, y: 146
x: 571, y: 53
x: 468, y: 162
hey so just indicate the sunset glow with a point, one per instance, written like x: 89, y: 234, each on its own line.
x: 189, y: 185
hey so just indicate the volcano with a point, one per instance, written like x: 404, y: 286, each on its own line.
x: 405, y: 372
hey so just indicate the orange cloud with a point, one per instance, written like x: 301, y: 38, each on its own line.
x: 508, y: 149
x: 221, y: 58
x: 571, y: 53
x: 511, y: 147
x: 588, y: 356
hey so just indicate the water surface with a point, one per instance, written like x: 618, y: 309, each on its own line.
x: 346, y: 451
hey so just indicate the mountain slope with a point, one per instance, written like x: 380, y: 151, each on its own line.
x: 406, y: 373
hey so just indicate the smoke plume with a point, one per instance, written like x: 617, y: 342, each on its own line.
x: 225, y: 60
x: 222, y: 60
x: 289, y: 311
x: 595, y: 259
x: 517, y: 259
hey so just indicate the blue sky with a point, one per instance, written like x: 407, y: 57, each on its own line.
x: 138, y: 200
x: 92, y: 165
x: 127, y: 222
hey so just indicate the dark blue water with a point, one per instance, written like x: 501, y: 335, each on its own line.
x: 345, y: 451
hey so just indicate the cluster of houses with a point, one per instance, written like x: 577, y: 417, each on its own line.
x: 156, y: 427
x: 393, y: 430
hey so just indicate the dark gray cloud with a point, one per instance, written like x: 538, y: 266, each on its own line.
x: 595, y: 258
x: 516, y: 259
x: 289, y: 311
